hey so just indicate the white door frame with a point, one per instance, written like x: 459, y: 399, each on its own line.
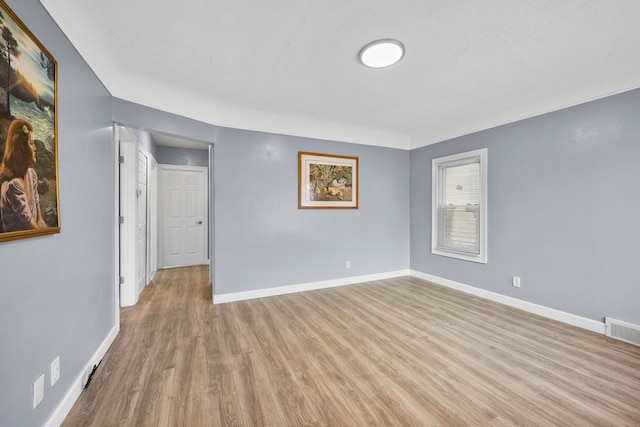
x: 205, y: 223
x: 142, y: 195
x: 128, y: 175
x: 128, y: 147
x: 116, y: 225
x: 152, y: 218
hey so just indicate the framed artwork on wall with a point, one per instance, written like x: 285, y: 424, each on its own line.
x: 327, y: 181
x: 29, y: 195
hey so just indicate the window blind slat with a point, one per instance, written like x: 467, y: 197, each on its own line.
x: 461, y: 231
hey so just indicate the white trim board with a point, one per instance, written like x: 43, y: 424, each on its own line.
x: 69, y: 399
x: 550, y: 313
x: 282, y: 290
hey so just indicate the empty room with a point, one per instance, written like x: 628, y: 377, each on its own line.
x: 324, y: 213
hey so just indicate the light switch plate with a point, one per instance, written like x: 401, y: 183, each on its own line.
x: 38, y: 391
x: 55, y: 371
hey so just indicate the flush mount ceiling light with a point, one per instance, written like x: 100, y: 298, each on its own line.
x: 382, y: 53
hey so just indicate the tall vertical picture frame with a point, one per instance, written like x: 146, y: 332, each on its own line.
x: 29, y: 190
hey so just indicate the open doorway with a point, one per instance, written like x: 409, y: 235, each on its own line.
x: 159, y: 176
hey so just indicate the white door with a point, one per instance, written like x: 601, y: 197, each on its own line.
x: 137, y: 203
x: 184, y: 215
x: 141, y: 223
x: 128, y: 256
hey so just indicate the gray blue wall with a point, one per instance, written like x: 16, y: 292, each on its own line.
x: 263, y: 240
x: 57, y: 293
x: 260, y: 237
x: 182, y: 156
x: 563, y: 209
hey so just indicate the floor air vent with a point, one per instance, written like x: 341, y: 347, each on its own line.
x: 622, y: 330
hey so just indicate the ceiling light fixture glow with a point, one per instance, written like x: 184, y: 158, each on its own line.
x: 381, y: 53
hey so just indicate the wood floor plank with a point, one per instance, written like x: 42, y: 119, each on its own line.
x: 397, y: 352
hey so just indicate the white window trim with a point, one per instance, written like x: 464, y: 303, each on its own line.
x: 435, y: 190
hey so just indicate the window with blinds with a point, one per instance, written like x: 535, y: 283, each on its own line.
x: 459, y: 206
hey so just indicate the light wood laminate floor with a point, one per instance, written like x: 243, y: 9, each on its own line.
x: 399, y: 352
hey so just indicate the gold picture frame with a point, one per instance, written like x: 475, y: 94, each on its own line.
x: 29, y: 194
x: 327, y: 181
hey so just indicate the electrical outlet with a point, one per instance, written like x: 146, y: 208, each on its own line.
x: 55, y: 371
x: 516, y: 281
x: 348, y: 265
x: 38, y: 391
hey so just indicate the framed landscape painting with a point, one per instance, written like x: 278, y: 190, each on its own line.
x: 29, y: 200
x: 327, y: 182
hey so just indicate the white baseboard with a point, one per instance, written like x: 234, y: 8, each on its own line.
x: 282, y: 290
x: 69, y: 399
x: 561, y: 316
x: 67, y: 402
x: 550, y: 313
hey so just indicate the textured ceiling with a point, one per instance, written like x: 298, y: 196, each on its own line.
x: 290, y: 66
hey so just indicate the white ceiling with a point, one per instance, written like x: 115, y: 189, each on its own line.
x: 290, y: 66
